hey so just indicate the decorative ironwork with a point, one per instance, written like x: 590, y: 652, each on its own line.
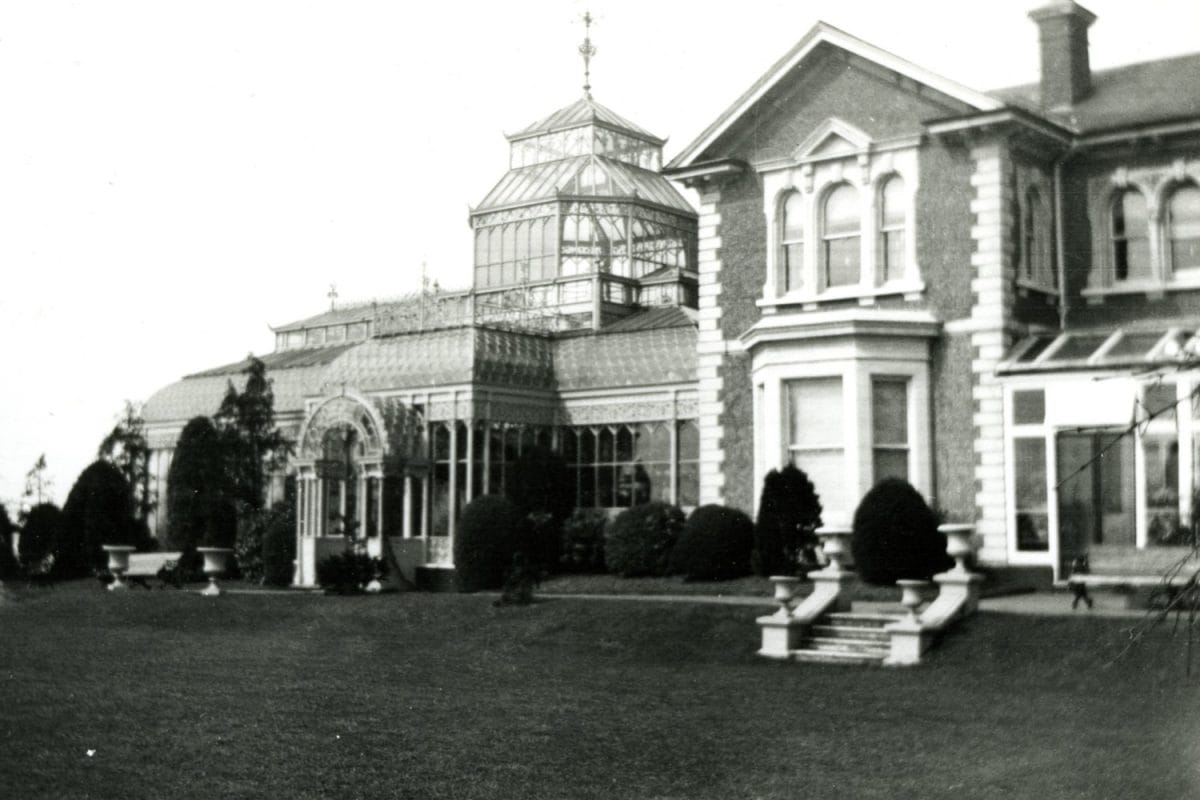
x: 587, y: 50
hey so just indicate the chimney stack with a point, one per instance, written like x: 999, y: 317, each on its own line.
x: 1063, y: 33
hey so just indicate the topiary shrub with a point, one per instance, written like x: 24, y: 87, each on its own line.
x: 715, y: 545
x: 252, y: 529
x: 789, y: 513
x: 639, y: 541
x: 583, y: 541
x: 896, y: 536
x: 348, y: 572
x: 279, y: 546
x: 98, y: 511
x: 490, y: 532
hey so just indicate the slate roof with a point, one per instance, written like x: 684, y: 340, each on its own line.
x: 584, y: 111
x: 545, y: 181
x: 1136, y: 94
x: 611, y: 360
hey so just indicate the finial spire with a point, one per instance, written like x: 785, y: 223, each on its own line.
x: 333, y: 296
x: 587, y: 50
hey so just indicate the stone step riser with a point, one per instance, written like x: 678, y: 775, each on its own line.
x: 845, y: 620
x: 831, y: 657
x: 844, y: 645
x: 849, y: 632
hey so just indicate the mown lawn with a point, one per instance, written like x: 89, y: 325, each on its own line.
x: 446, y: 696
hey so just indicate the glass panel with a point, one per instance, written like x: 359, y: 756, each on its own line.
x: 793, y: 267
x: 892, y: 252
x: 793, y: 218
x: 689, y: 441
x: 1159, y: 401
x: 1130, y: 232
x: 890, y: 464
x: 1134, y: 345
x: 1078, y: 347
x: 841, y: 211
x: 689, y: 484
x: 1184, y: 222
x: 842, y: 261
x: 587, y: 447
x: 889, y: 411
x: 1036, y: 349
x: 1033, y: 521
x: 1029, y: 407
x: 815, y: 412
x: 892, y: 198
x: 605, y: 485
x: 653, y: 443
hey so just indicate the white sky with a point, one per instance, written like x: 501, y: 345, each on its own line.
x: 175, y: 177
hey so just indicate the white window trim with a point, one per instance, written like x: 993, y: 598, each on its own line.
x: 1156, y: 184
x: 771, y: 419
x: 865, y: 171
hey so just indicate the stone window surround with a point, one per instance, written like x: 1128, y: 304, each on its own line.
x: 867, y: 169
x: 857, y: 360
x: 1155, y: 184
x: 1029, y: 181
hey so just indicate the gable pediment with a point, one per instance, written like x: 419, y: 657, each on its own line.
x: 832, y: 139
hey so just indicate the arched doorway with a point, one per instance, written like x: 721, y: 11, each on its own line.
x: 355, y: 469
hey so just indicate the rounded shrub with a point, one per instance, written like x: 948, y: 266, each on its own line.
x: 639, y: 541
x: 715, y: 545
x: 896, y: 536
x: 9, y: 568
x: 348, y: 572
x: 789, y: 513
x: 583, y: 541
x: 490, y: 532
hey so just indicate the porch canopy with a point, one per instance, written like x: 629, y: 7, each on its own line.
x: 1136, y: 350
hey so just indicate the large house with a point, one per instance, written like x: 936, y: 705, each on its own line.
x: 994, y: 295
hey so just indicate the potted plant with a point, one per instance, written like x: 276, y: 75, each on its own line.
x: 220, y: 533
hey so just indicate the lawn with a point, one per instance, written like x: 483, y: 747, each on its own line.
x: 446, y: 696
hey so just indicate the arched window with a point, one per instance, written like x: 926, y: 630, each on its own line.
x: 841, y: 255
x: 892, y: 221
x: 791, y: 251
x: 1183, y: 228
x: 1129, y: 229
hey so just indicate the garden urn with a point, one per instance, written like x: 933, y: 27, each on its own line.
x: 960, y: 543
x: 215, y: 560
x: 835, y: 542
x: 785, y: 590
x: 911, y: 597
x: 118, y: 563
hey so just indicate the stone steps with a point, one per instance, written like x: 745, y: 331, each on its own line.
x: 846, y: 638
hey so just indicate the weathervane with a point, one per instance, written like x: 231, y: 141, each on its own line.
x: 587, y: 51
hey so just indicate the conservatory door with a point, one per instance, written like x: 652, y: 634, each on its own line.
x: 1096, y: 492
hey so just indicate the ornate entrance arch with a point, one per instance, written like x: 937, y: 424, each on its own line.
x: 355, y: 467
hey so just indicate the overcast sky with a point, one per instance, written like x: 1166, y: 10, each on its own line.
x: 177, y: 177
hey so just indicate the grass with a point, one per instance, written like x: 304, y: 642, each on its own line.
x: 446, y: 696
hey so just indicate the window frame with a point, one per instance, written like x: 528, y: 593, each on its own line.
x: 825, y: 238
x: 884, y: 274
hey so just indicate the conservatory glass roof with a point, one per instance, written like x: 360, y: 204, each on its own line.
x: 1103, y: 350
x: 586, y: 175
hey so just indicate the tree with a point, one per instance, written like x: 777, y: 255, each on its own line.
x: 8, y: 561
x: 254, y: 447
x: 125, y: 447
x: 42, y: 529
x: 789, y: 513
x: 540, y: 487
x: 196, y: 483
x: 98, y: 511
x: 37, y: 484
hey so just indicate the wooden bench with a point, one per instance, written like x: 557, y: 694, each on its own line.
x: 144, y: 566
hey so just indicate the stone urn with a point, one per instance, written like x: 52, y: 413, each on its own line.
x: 215, y: 562
x: 835, y: 543
x: 118, y: 563
x: 912, y: 594
x: 785, y: 590
x: 960, y: 543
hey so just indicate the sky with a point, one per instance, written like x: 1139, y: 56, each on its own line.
x: 175, y: 178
